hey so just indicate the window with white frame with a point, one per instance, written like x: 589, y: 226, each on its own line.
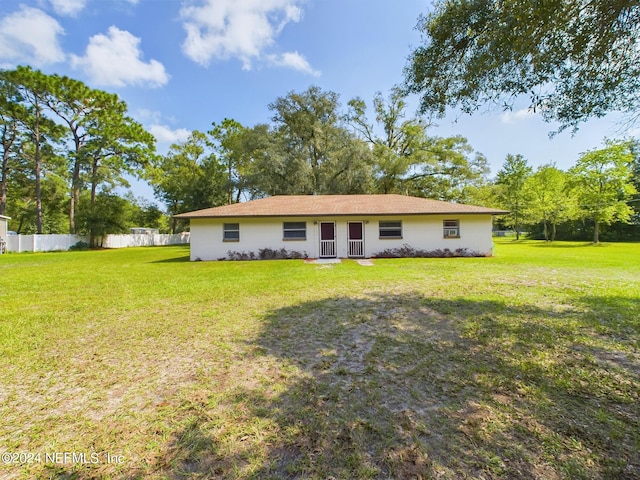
x: 231, y: 232
x: 451, y: 228
x: 294, y: 231
x: 390, y: 229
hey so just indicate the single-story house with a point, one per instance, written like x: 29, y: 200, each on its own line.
x: 342, y: 226
x: 3, y: 232
x: 3, y: 226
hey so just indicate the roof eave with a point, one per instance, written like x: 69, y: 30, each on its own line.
x: 354, y: 214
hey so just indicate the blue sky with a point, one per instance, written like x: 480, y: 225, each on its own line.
x: 181, y: 65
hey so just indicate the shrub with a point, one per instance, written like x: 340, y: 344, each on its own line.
x: 266, y: 254
x: 407, y: 251
x: 79, y: 246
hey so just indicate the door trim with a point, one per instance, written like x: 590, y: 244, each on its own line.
x: 328, y: 246
x: 355, y: 247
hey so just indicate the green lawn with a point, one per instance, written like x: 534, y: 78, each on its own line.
x: 524, y: 365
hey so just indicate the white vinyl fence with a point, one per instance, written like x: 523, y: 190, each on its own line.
x: 52, y: 242
x: 144, y: 240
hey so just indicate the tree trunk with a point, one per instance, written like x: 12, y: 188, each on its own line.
x: 38, y: 192
x: 230, y: 186
x: 37, y: 169
x: 7, y: 142
x: 553, y: 232
x: 94, y: 181
x: 596, y: 232
x: 546, y: 231
x: 75, y: 192
x: 3, y: 182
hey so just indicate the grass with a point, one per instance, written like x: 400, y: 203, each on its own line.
x: 525, y: 365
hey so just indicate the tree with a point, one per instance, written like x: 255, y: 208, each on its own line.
x: 407, y: 160
x: 603, y: 179
x: 233, y: 147
x: 147, y: 214
x: 102, y: 143
x: 189, y: 177
x: 401, y: 146
x: 310, y: 144
x: 511, y: 179
x: 273, y: 170
x: 108, y: 215
x: 450, y: 170
x: 551, y: 201
x: 574, y: 59
x: 33, y: 91
x: 10, y: 111
x: 106, y: 142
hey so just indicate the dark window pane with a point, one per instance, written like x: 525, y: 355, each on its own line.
x: 295, y: 234
x: 295, y: 226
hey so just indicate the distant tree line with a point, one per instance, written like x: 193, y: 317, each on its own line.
x: 312, y: 146
x: 599, y: 194
x: 66, y: 149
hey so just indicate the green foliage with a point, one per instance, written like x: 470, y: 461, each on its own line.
x: 113, y: 214
x: 551, y: 200
x: 407, y: 251
x: 451, y: 171
x: 574, y: 59
x: 400, y: 148
x: 108, y: 214
x: 231, y: 148
x: 312, y: 152
x: 408, y: 161
x: 602, y: 178
x: 107, y: 143
x: 63, y: 128
x: 29, y: 91
x: 512, y: 195
x: 149, y: 215
x: 266, y: 254
x: 79, y: 246
x: 189, y: 177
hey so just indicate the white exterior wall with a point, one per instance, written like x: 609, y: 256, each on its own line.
x: 3, y: 227
x: 418, y: 231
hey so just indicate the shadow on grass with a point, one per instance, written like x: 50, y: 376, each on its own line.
x: 562, y: 244
x: 407, y: 386
x: 178, y: 249
x: 181, y: 259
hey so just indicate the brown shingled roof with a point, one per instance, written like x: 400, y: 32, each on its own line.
x: 336, y: 205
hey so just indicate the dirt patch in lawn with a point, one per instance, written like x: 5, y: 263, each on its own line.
x: 402, y: 386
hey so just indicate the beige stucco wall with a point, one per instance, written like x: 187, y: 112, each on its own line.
x: 3, y: 227
x: 419, y: 231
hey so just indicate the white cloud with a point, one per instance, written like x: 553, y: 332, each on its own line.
x: 165, y: 134
x: 512, y: 117
x: 295, y: 61
x: 241, y: 29
x: 69, y: 8
x: 30, y: 36
x: 114, y: 59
